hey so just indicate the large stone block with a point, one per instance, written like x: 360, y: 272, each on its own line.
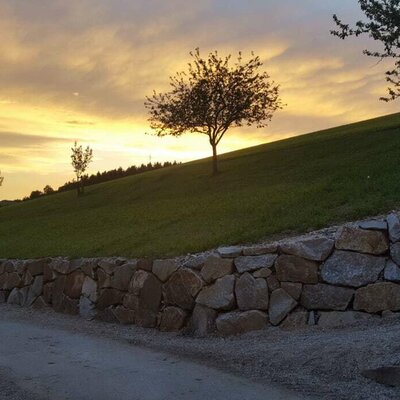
x: 281, y: 304
x: 251, y: 293
x: 58, y: 292
x: 172, y: 319
x: 352, y: 269
x: 393, y: 227
x: 218, y: 296
x: 235, y: 323
x: 395, y: 252
x: 378, y: 297
x: 109, y: 264
x: 124, y: 315
x: 89, y: 289
x: 163, y: 269
x: 73, y: 284
x: 87, y: 308
x: 261, y: 249
x: 109, y: 297
x: 122, y: 276
x: 103, y: 279
x: 61, y: 265
x: 15, y: 297
x: 293, y: 289
x: 374, y: 225
x: 230, y: 251
x: 35, y: 290
x: 253, y: 263
x: 49, y: 275
x: 203, y: 320
x: 296, y: 269
x: 295, y: 320
x: 325, y: 297
x: 216, y: 267
x: 392, y: 271
x: 182, y: 288
x: 35, y: 267
x: 363, y: 241
x: 147, y: 288
x: 12, y: 280
x: 313, y: 248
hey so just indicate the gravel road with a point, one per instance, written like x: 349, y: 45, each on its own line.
x: 314, y: 363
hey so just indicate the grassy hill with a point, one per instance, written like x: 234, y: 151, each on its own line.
x: 292, y: 185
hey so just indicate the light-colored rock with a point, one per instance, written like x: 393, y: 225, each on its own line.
x: 262, y: 273
x: 15, y: 297
x: 216, y: 267
x: 325, y: 297
x: 296, y: 269
x: 260, y: 249
x: 197, y: 261
x: 163, y: 269
x: 89, y: 289
x: 392, y: 271
x: 312, y: 319
x: 235, y: 323
x: 313, y: 248
x: 334, y: 319
x: 362, y: 241
x: 124, y: 315
x: 374, y: 225
x: 203, y: 320
x: 378, y: 297
x: 295, y: 320
x: 393, y: 227
x: 253, y: 263
x: 218, y: 296
x: 172, y: 319
x: 280, y: 305
x: 60, y: 265
x: 108, y: 265
x: 27, y: 278
x: 35, y: 290
x: 395, y: 252
x: 73, y: 284
x: 251, y: 293
x: 103, y: 279
x: 182, y: 288
x: 122, y: 276
x: 87, y: 308
x: 230, y: 251
x: 293, y: 289
x: 109, y: 297
x: 352, y: 269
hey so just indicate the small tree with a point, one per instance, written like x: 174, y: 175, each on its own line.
x: 212, y: 96
x: 48, y: 190
x: 81, y: 158
x: 383, y: 25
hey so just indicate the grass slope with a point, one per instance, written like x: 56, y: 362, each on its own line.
x: 292, y: 185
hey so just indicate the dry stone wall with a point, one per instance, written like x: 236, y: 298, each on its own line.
x: 330, y: 279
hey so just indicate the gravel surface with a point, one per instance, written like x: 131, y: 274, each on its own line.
x: 315, y: 362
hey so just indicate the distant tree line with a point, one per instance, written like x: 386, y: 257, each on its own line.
x: 100, y: 177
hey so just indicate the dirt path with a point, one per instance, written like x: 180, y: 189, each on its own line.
x: 315, y: 363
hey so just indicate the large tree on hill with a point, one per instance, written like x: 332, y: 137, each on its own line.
x: 382, y: 24
x: 213, y: 95
x: 81, y: 158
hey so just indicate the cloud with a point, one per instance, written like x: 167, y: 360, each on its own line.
x: 20, y: 140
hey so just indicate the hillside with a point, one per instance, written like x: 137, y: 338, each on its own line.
x: 293, y: 185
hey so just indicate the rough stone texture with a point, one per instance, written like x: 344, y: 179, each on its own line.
x: 12, y: 280
x: 235, y: 323
x: 35, y: 267
x: 253, y: 263
x: 182, y: 288
x: 363, y: 241
x: 131, y: 301
x: 216, y: 267
x: 39, y: 303
x: 352, y: 269
x: 251, y: 293
x: 109, y: 297
x: 395, y: 252
x: 144, y: 264
x: 147, y: 288
x: 293, y: 289
x: 89, y: 289
x: 196, y: 262
x: 122, y: 276
x: 295, y: 320
x: 334, y: 319
x: 230, y: 251
x: 262, y: 273
x: 393, y: 227
x: 73, y: 284
x: 48, y: 273
x: 273, y: 283
x: 145, y: 318
x: 108, y: 265
x: 312, y: 318
x: 378, y: 297
x: 218, y: 296
x: 3, y: 296
x: 260, y: 249
x: 89, y: 267
x: 392, y: 272
x: 103, y: 279
x: 58, y: 292
x: 87, y: 308
x: 15, y: 297
x: 280, y: 305
x: 314, y: 248
x: 124, y: 315
x: 172, y: 319
x: 203, y: 320
x: 27, y: 278
x: 325, y: 297
x: 374, y: 225
x: 35, y: 290
x: 296, y: 269
x: 163, y: 269
x: 60, y: 265
x: 70, y: 306
x: 48, y: 292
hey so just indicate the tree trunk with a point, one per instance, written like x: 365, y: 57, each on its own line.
x: 215, y: 159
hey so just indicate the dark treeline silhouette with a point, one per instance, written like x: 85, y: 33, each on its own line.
x: 101, y: 177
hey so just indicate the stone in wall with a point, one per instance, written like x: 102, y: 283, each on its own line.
x: 163, y: 269
x: 260, y: 249
x: 230, y: 251
x: 89, y: 289
x: 124, y: 315
x: 326, y: 297
x: 35, y: 267
x: 392, y: 271
x: 314, y: 248
x: 295, y: 320
x: 393, y: 227
x: 253, y: 263
x: 296, y: 269
x: 362, y: 241
x: 87, y: 308
x: 73, y: 284
x: 122, y: 276
x: 203, y: 320
x: 182, y: 288
x: 109, y: 297
x: 352, y: 269
x: 220, y: 295
x: 281, y: 304
x: 374, y: 225
x: 378, y: 297
x: 251, y: 293
x: 216, y: 267
x: 293, y: 289
x: 395, y: 252
x: 236, y: 322
x: 172, y: 319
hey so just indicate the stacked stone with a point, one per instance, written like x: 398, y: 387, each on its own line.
x: 305, y: 281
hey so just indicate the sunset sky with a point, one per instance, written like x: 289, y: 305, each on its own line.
x: 80, y: 70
